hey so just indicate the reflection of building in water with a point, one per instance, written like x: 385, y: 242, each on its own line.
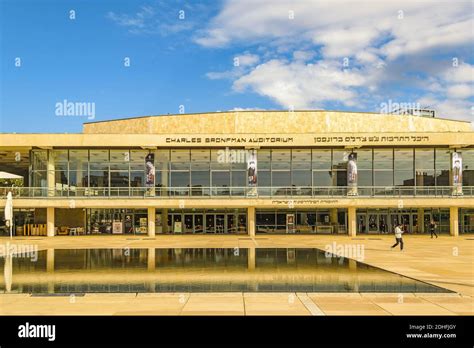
x: 170, y: 270
x: 308, y: 172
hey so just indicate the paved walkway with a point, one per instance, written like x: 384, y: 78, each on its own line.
x: 447, y: 262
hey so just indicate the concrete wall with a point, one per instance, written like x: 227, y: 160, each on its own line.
x: 276, y: 122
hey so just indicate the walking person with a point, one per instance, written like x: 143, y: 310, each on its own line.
x: 433, y: 228
x: 398, y: 236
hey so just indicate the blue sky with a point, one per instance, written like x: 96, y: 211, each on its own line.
x: 345, y: 55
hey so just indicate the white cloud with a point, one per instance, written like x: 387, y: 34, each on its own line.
x: 247, y: 59
x: 389, y: 42
x: 246, y: 109
x: 301, y: 85
x: 460, y: 91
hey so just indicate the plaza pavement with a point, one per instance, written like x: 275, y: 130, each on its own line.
x: 446, y: 262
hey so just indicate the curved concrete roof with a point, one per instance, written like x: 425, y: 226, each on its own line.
x: 240, y: 122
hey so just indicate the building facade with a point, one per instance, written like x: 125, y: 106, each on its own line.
x: 255, y: 172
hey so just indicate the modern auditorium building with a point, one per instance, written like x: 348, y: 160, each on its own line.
x: 248, y: 172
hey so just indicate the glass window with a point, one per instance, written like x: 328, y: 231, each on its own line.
x: 425, y: 177
x: 239, y: 178
x: 301, y: 178
x: 468, y: 167
x: 40, y: 159
x: 99, y: 156
x: 220, y: 179
x: 137, y: 159
x: 322, y: 178
x: 200, y: 155
x: 200, y: 159
x: 200, y: 179
x: 443, y: 159
x: 341, y: 177
x: 137, y: 179
x: 219, y: 160
x: 321, y: 159
x: 263, y: 178
x: 364, y: 159
x: 383, y: 178
x: 180, y: 156
x: 281, y: 159
x: 78, y: 178
x: 60, y: 156
x: 263, y: 159
x: 179, y: 179
x: 383, y: 159
x: 424, y: 159
x: 403, y: 159
x: 301, y: 159
x: 404, y: 178
x: 424, y: 167
x: 281, y: 178
x: 99, y: 179
x: 364, y: 177
x: 61, y: 177
x: 119, y: 179
x: 119, y: 156
x: 339, y: 159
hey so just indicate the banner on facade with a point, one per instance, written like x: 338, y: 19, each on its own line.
x: 252, y: 168
x: 456, y: 171
x: 352, y: 174
x: 150, y: 170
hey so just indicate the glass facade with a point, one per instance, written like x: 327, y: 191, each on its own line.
x: 202, y: 172
x: 301, y: 221
x: 116, y: 221
x: 198, y: 221
x: 412, y: 220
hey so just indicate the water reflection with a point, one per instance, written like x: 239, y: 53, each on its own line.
x: 197, y: 270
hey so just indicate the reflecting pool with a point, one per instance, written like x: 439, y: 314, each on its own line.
x: 66, y: 271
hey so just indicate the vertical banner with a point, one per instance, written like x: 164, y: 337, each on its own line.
x: 252, y: 172
x: 456, y: 173
x: 290, y: 223
x: 352, y: 174
x: 150, y: 170
x: 252, y: 168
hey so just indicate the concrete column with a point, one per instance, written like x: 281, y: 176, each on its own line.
x: 50, y: 260
x: 351, y: 221
x: 421, y: 220
x: 151, y: 221
x: 50, y: 222
x: 454, y: 221
x: 50, y: 174
x: 333, y: 219
x: 151, y: 259
x: 251, y: 221
x: 251, y: 258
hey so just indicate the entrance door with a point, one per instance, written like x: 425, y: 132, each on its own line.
x: 177, y: 223
x: 188, y: 223
x: 210, y: 224
x: 405, y: 221
x: 198, y: 223
x: 373, y: 223
x: 231, y: 223
x: 220, y: 223
x: 361, y: 223
x: 383, y: 223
